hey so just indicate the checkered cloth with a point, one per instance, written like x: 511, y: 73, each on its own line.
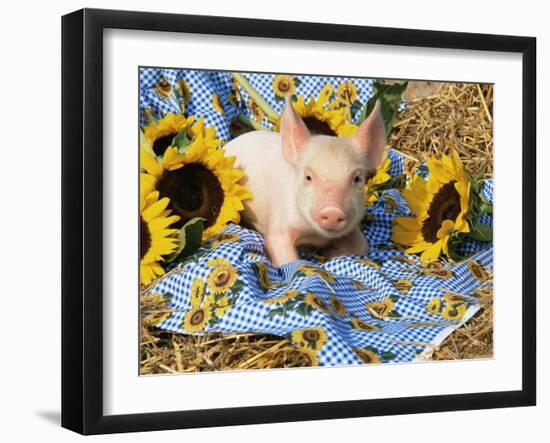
x: 384, y: 307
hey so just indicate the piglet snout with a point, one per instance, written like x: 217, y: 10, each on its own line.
x: 331, y: 218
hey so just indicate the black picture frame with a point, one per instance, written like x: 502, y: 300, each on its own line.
x: 82, y: 218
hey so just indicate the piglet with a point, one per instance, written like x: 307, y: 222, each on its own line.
x: 308, y: 189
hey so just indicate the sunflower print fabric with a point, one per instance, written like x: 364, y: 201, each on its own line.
x: 387, y: 307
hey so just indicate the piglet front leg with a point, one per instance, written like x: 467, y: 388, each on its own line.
x: 354, y: 243
x: 280, y: 247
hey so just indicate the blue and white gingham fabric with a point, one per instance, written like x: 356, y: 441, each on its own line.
x: 407, y: 334
x: 204, y: 84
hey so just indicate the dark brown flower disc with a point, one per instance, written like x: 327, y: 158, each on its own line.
x: 144, y: 238
x: 198, y: 317
x: 161, y: 144
x: 222, y: 277
x: 311, y: 335
x: 317, y: 126
x: 194, y: 191
x: 445, y: 205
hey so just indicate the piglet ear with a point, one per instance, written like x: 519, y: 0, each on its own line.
x: 370, y: 138
x: 294, y: 133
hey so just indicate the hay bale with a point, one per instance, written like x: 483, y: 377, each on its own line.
x: 457, y: 116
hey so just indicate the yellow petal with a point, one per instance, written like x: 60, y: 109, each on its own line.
x: 150, y: 164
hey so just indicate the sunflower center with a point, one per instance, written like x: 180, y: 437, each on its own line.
x: 445, y: 205
x: 222, y: 277
x: 161, y: 143
x: 145, y: 238
x: 317, y: 126
x: 197, y: 318
x: 311, y: 335
x: 320, y: 303
x: 363, y: 355
x: 194, y: 191
x: 284, y: 86
x: 380, y: 309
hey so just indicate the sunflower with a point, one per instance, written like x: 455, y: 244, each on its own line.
x: 156, y: 238
x: 409, y: 166
x: 222, y: 278
x: 197, y: 318
x: 406, y: 260
x: 316, y: 302
x: 263, y: 277
x: 454, y: 312
x: 283, y: 85
x: 223, y: 237
x: 217, y: 104
x: 337, y: 306
x: 319, y: 119
x: 197, y: 292
x: 484, y: 293
x: 164, y: 89
x: 358, y: 285
x: 478, y: 271
x: 380, y: 177
x: 158, y: 136
x: 233, y: 100
x: 346, y: 93
x: 367, y: 355
x: 380, y: 309
x: 288, y: 295
x: 403, y: 285
x: 199, y: 183
x: 310, y: 271
x: 310, y: 356
x: 184, y: 90
x: 363, y: 326
x: 454, y: 298
x: 366, y: 261
x: 220, y: 305
x: 255, y: 110
x: 436, y: 269
x: 434, y: 305
x: 313, y: 338
x: 440, y: 204
x: 148, y: 114
x: 236, y: 127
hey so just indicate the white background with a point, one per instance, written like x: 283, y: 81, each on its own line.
x: 30, y: 366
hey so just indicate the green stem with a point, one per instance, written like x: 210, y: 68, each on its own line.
x: 251, y: 123
x: 241, y: 80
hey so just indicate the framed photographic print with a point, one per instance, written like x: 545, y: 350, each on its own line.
x: 273, y: 221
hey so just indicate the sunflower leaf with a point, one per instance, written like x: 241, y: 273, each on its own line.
x: 181, y: 141
x: 190, y: 238
x: 481, y: 232
x: 390, y: 100
x: 388, y: 355
x: 274, y: 312
x: 355, y: 107
x: 485, y: 208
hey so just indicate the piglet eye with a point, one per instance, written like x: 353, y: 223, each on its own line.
x: 308, y: 178
x: 357, y: 179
